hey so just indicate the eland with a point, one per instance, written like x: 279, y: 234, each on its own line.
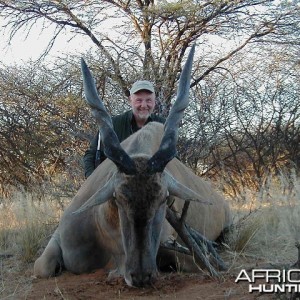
x: 118, y: 216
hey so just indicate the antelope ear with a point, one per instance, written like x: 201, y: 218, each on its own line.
x: 100, y: 197
x: 181, y: 191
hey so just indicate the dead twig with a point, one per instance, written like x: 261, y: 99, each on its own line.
x: 202, y: 248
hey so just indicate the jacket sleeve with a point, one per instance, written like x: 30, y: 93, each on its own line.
x: 90, y: 157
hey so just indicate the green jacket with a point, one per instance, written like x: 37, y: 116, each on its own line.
x: 124, y: 125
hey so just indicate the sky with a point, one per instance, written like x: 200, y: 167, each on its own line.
x: 23, y: 48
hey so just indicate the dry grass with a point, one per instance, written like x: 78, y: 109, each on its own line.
x: 267, y: 223
x: 26, y: 224
x: 267, y: 226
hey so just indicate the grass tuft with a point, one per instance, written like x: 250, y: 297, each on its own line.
x: 267, y: 222
x: 26, y: 225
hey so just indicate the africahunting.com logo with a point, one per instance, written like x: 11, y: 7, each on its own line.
x: 271, y: 280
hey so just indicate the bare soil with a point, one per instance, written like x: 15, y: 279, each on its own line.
x: 17, y: 282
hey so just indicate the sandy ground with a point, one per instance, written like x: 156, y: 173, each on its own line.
x: 17, y: 282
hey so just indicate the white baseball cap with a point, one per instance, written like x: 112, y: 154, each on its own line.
x: 142, y: 85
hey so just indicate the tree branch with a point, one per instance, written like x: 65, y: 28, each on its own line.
x: 198, y: 245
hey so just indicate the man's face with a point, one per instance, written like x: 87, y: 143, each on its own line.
x: 142, y: 103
